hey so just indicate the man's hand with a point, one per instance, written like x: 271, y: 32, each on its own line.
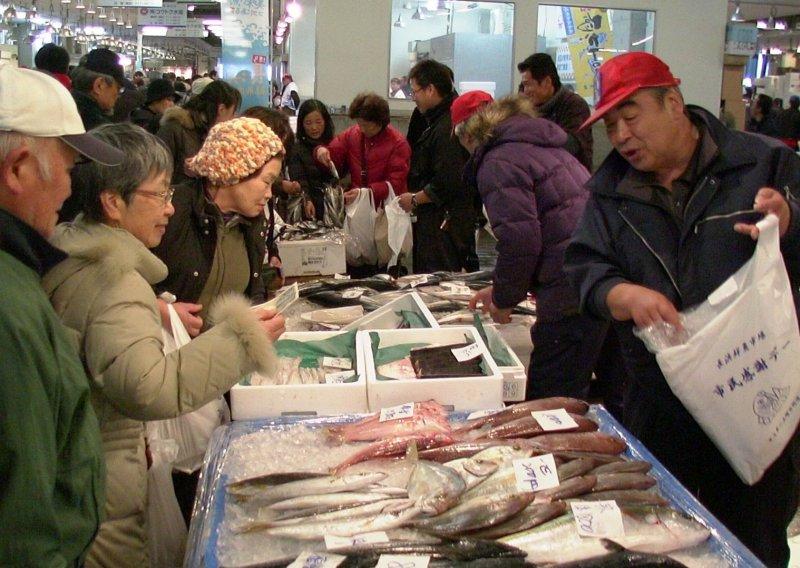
x: 292, y: 187
x: 404, y: 200
x: 768, y: 201
x: 186, y: 312
x: 484, y: 297
x: 350, y: 195
x: 323, y: 155
x: 272, y: 323
x: 642, y: 305
x: 311, y: 211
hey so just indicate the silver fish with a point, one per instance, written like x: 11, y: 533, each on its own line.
x: 255, y: 489
x: 351, y: 513
x: 477, y: 513
x: 330, y: 500
x: 531, y: 516
x: 479, y: 467
x: 342, y: 527
x: 435, y: 487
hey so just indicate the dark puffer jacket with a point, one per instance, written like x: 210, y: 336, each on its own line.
x: 183, y: 137
x: 533, y: 192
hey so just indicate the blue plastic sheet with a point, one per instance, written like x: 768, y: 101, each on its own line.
x: 201, y: 548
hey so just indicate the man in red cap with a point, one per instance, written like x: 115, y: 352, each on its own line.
x: 663, y: 229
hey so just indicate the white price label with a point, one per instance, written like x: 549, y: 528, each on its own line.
x: 337, y: 362
x: 482, y: 413
x: 536, y: 473
x: 333, y: 542
x: 554, y: 420
x: 397, y: 412
x: 599, y: 519
x: 338, y: 276
x: 457, y: 288
x: 317, y: 560
x: 419, y: 281
x: 352, y: 294
x: 466, y: 353
x: 337, y: 378
x: 403, y: 561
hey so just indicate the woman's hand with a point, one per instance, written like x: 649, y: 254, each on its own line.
x: 187, y: 313
x: 323, y: 155
x: 275, y: 262
x: 311, y: 211
x: 350, y: 195
x: 272, y: 323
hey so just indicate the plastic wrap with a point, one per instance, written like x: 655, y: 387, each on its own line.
x: 243, y: 449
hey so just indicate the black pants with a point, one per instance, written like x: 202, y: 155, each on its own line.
x: 612, y: 375
x: 451, y: 249
x: 564, y: 355
x: 758, y: 515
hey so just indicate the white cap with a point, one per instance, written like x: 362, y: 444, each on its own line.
x: 34, y: 104
x: 199, y: 85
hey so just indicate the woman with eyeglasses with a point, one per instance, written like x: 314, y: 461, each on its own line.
x: 104, y: 292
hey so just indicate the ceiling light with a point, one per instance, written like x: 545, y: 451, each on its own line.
x: 288, y: 19
x: 113, y: 17
x: 279, y: 40
x: 418, y: 15
x: 10, y: 14
x: 399, y: 23
x: 294, y: 9
x: 282, y: 25
x: 102, y: 15
x: 191, y: 7
x: 737, y: 14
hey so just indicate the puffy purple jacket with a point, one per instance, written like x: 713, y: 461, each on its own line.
x: 533, y: 192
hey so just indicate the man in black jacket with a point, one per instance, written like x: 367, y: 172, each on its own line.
x: 96, y: 86
x: 160, y: 96
x: 444, y: 232
x: 659, y: 234
x: 541, y: 84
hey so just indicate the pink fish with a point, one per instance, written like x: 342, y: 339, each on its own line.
x: 429, y: 417
x: 394, y: 447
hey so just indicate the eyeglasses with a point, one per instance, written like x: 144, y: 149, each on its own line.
x: 165, y: 196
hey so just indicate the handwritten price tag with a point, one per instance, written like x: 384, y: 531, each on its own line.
x: 353, y: 294
x: 317, y: 560
x: 341, y: 276
x: 457, y: 288
x: 337, y: 362
x: 336, y: 378
x: 599, y: 519
x: 419, y: 281
x: 554, y: 420
x: 466, y: 353
x: 333, y: 542
x: 536, y: 473
x: 482, y: 413
x: 397, y: 412
x: 402, y: 561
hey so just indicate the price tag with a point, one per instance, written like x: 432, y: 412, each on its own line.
x: 466, y: 353
x: 333, y: 542
x: 317, y: 560
x: 397, y: 412
x: 457, y: 288
x: 554, y: 420
x: 482, y: 413
x: 352, y: 294
x: 402, y: 561
x: 337, y: 362
x: 419, y: 281
x: 341, y: 276
x: 599, y: 519
x: 536, y: 473
x: 337, y: 378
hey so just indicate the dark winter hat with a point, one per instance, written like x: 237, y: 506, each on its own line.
x: 159, y: 89
x: 105, y: 61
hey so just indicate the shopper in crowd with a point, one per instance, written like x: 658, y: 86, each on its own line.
x: 51, y: 463
x: 444, y: 232
x: 159, y: 97
x: 183, y: 129
x: 763, y: 120
x: 128, y: 101
x: 96, y: 85
x: 533, y: 192
x: 54, y: 59
x: 777, y: 104
x: 789, y: 122
x: 199, y: 85
x: 542, y: 84
x: 104, y: 292
x: 215, y: 243
x: 290, y: 96
x: 212, y: 74
x: 138, y: 80
x: 642, y: 253
x: 314, y: 128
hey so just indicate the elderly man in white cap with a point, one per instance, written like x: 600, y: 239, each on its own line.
x: 51, y: 464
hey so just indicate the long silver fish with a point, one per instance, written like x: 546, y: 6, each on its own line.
x: 255, y: 489
x: 477, y: 513
x: 656, y: 530
x: 327, y: 501
x: 531, y: 516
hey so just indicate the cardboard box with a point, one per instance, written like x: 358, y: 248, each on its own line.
x: 264, y: 401
x: 311, y: 257
x: 386, y: 317
x: 463, y: 393
x: 515, y: 377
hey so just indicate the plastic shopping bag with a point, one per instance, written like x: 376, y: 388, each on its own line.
x: 393, y: 234
x: 166, y: 529
x: 738, y: 373
x: 359, y: 224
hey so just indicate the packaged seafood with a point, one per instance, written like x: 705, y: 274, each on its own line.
x: 308, y: 257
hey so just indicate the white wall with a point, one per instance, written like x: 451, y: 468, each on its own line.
x: 302, y: 49
x: 352, y: 44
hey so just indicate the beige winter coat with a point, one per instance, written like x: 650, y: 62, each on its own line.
x: 103, y: 292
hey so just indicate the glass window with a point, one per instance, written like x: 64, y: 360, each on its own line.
x: 473, y: 38
x: 580, y: 39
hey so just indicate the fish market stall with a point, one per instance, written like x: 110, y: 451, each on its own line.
x: 526, y: 480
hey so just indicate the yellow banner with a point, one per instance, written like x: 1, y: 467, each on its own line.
x: 588, y: 31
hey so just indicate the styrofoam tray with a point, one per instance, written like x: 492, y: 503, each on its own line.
x: 386, y: 317
x: 262, y: 401
x: 515, y: 377
x: 460, y: 392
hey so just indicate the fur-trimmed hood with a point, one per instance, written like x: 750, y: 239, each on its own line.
x: 117, y: 251
x: 179, y: 115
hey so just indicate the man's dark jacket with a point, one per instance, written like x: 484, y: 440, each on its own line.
x: 569, y: 111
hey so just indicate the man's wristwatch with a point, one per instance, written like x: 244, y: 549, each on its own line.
x: 414, y: 200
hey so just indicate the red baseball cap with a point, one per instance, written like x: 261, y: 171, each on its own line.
x: 622, y: 76
x: 468, y: 104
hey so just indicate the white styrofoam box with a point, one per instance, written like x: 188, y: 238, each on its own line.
x: 463, y: 393
x: 264, y: 401
x: 311, y: 257
x: 386, y: 317
x: 515, y: 377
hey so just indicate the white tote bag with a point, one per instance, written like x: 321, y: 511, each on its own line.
x: 739, y: 372
x: 359, y: 224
